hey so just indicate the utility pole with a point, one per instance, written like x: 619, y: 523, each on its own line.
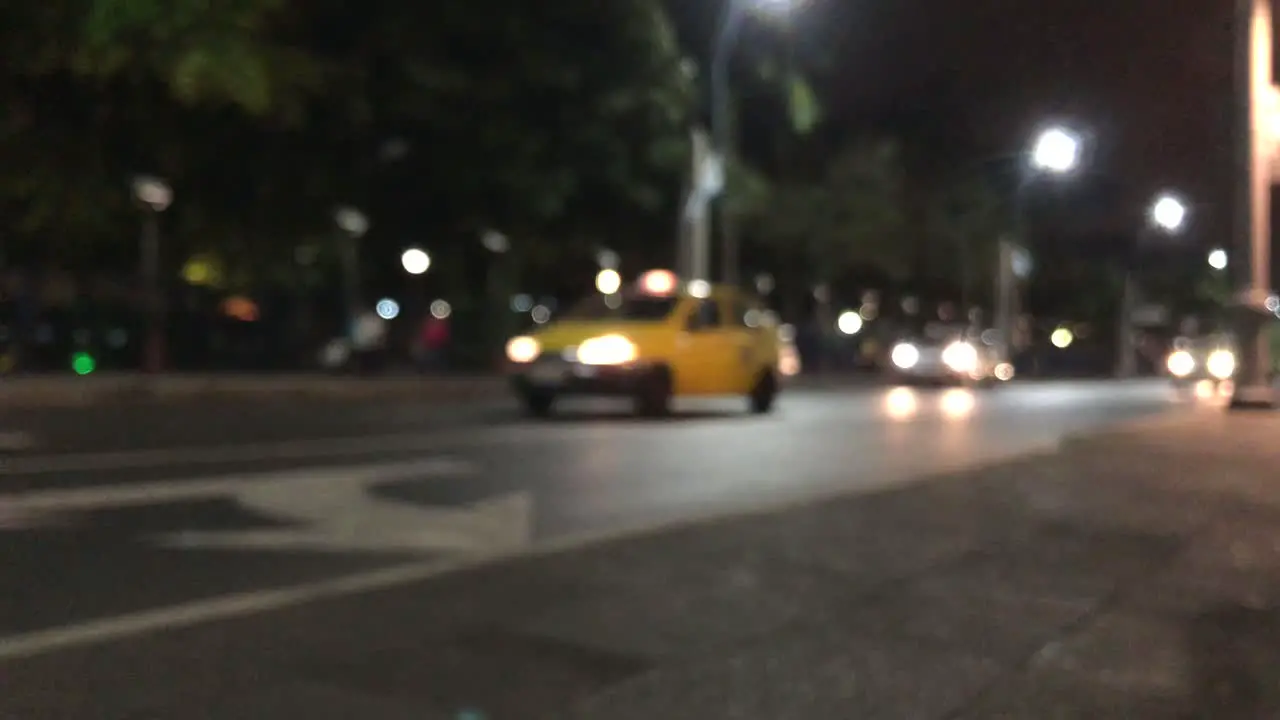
x: 1253, y: 54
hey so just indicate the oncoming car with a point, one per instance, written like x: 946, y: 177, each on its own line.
x: 652, y: 342
x: 1211, y: 358
x: 948, y: 356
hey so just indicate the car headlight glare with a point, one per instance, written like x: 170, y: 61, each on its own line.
x: 904, y: 356
x: 1180, y: 363
x: 961, y: 357
x: 607, y: 350
x: 1221, y: 364
x: 523, y: 349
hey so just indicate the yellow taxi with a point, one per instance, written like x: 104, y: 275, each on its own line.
x: 652, y: 342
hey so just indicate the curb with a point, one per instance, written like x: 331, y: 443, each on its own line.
x: 71, y: 393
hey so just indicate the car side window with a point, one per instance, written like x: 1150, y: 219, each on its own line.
x: 741, y: 314
x: 706, y: 316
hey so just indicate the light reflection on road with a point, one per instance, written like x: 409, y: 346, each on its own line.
x: 904, y: 403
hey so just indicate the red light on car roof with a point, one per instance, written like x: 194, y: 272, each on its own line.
x: 658, y: 282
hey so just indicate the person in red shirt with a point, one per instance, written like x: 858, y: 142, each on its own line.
x: 433, y: 341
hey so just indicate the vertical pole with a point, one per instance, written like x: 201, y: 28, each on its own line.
x: 721, y: 129
x: 350, y: 280
x: 699, y: 257
x: 1253, y: 201
x: 1126, y: 362
x: 149, y: 252
x: 1004, y: 296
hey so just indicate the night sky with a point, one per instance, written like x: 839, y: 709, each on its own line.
x: 1150, y: 80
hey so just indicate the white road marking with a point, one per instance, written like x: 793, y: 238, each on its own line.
x: 11, y: 441
x: 168, y: 491
x: 262, y: 452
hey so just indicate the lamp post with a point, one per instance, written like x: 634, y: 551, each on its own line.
x: 155, y: 196
x: 1254, y: 175
x: 1167, y: 214
x: 1054, y: 151
x: 730, y: 26
x: 353, y: 225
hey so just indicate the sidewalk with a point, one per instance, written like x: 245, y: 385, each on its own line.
x: 1134, y: 576
x: 73, y: 391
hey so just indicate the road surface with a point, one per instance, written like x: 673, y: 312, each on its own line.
x: 106, y: 516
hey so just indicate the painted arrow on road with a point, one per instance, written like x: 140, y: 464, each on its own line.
x: 328, y: 509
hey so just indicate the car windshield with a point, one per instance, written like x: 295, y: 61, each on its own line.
x: 626, y: 307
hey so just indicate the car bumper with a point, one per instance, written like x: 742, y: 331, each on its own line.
x: 568, y: 378
x: 929, y: 374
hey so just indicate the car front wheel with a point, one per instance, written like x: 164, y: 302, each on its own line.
x: 539, y: 403
x: 763, y: 394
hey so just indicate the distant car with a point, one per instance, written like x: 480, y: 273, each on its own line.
x: 657, y: 340
x: 948, y: 358
x: 1193, y: 360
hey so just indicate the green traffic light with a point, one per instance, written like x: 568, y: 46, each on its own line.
x: 83, y: 363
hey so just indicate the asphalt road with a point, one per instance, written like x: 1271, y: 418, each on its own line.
x: 111, y: 514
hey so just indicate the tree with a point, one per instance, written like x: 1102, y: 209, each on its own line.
x: 967, y: 216
x: 853, y: 215
x: 264, y: 114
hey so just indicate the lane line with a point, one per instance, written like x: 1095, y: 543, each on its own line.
x: 116, y: 460
x: 12, y: 441
x: 123, y: 495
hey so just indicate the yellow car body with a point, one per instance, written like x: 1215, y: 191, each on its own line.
x: 651, y: 343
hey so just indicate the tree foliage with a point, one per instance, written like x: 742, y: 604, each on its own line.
x: 438, y: 119
x: 967, y: 216
x: 853, y: 214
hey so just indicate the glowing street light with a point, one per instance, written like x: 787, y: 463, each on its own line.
x: 1056, y: 150
x: 849, y: 323
x: 415, y: 261
x: 1218, y: 259
x: 1168, y: 213
x: 608, y: 281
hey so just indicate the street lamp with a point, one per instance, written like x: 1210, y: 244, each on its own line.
x: 415, y: 261
x: 1168, y: 213
x: 1057, y: 151
x: 735, y: 11
x: 1218, y: 259
x: 156, y: 196
x: 353, y: 224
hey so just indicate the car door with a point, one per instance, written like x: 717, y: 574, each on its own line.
x: 706, y: 352
x: 747, y: 341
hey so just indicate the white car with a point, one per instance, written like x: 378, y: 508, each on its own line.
x: 957, y: 359
x: 1211, y: 358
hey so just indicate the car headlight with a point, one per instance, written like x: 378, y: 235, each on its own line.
x: 961, y: 357
x: 1180, y: 363
x: 523, y: 349
x: 788, y: 360
x: 904, y: 356
x: 1221, y: 364
x: 607, y: 350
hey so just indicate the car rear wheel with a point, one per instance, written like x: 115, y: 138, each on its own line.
x: 763, y: 394
x: 539, y: 403
x: 653, y: 398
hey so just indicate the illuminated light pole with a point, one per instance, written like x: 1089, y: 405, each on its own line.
x: 1218, y: 259
x: 155, y: 196
x: 353, y: 225
x: 730, y: 26
x: 1256, y: 154
x: 1055, y: 151
x: 1167, y: 214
